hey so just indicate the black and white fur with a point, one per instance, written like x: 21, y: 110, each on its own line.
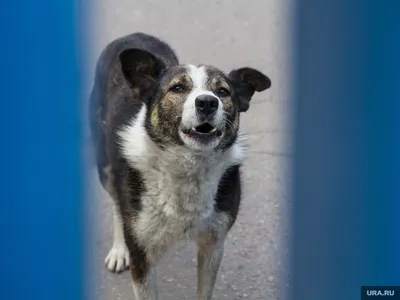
x: 169, y: 151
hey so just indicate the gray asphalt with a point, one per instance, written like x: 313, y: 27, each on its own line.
x: 226, y: 34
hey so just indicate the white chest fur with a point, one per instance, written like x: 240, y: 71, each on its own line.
x: 180, y: 188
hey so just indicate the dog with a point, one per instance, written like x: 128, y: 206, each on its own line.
x: 169, y: 150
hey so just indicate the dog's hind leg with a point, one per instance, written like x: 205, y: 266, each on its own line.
x: 118, y: 258
x: 209, y: 259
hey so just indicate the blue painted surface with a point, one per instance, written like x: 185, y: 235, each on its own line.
x: 393, y: 40
x: 40, y: 124
x: 346, y: 192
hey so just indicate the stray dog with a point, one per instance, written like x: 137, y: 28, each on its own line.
x: 168, y: 150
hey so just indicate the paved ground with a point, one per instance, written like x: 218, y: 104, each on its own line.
x: 227, y: 34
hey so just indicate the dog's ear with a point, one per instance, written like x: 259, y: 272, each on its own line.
x: 246, y: 82
x: 140, y: 68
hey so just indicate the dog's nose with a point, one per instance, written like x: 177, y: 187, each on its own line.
x: 206, y: 104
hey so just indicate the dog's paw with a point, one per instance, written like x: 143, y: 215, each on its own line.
x: 117, y: 259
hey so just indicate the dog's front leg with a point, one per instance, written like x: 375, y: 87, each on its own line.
x: 144, y: 288
x: 210, y: 253
x: 143, y: 270
x: 118, y: 259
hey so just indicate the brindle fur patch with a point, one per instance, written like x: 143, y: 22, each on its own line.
x: 154, y: 117
x: 167, y: 107
x: 216, y: 80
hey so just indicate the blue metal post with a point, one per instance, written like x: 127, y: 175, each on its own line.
x: 40, y: 149
x: 346, y: 192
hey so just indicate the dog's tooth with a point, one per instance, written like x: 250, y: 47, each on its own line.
x: 213, y: 130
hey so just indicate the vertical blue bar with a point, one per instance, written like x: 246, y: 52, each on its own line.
x: 393, y: 57
x: 346, y: 190
x: 40, y: 124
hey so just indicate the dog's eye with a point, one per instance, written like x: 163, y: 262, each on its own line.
x: 177, y: 88
x: 222, y: 92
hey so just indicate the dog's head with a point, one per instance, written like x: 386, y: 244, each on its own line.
x: 195, y: 106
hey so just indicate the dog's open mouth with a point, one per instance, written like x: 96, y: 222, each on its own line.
x: 205, y: 129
